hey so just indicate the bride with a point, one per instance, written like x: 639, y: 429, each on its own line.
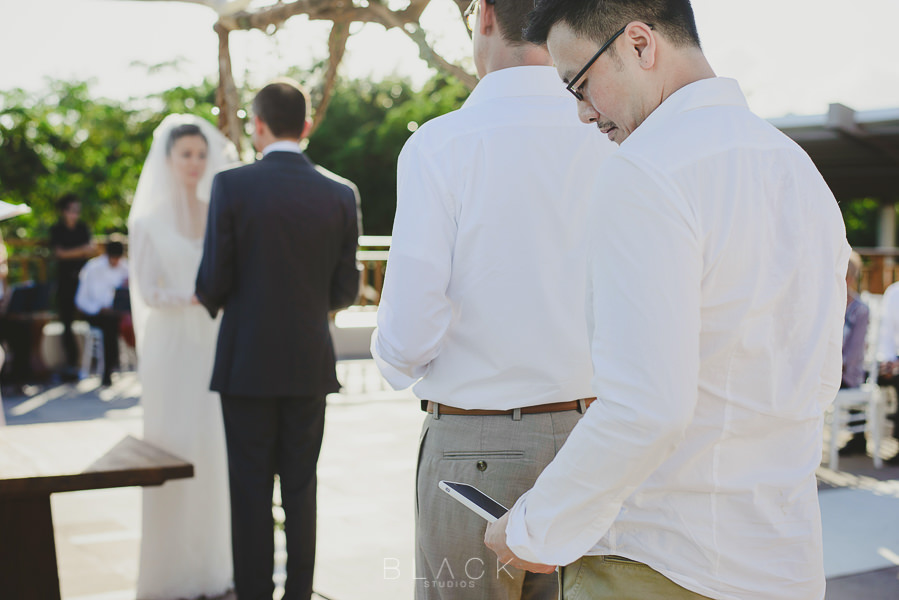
x: 186, y: 540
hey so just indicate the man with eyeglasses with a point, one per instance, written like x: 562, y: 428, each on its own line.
x: 718, y: 259
x: 483, y: 302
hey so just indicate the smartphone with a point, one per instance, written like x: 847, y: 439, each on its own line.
x: 475, y: 499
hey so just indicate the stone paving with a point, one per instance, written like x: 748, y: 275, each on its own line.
x: 366, y: 478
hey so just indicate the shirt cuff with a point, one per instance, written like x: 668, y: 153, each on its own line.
x: 396, y: 378
x: 517, y: 537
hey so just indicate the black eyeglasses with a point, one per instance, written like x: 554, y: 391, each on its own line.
x: 571, y: 87
x: 471, y: 13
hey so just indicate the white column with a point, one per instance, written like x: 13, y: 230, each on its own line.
x: 886, y: 233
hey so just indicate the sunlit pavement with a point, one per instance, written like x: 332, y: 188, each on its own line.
x: 366, y: 475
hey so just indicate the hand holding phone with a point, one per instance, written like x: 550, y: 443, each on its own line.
x: 475, y: 499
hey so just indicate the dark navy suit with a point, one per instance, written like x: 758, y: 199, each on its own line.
x: 279, y: 253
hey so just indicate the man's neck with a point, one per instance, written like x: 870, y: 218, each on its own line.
x: 686, y: 67
x: 525, y: 55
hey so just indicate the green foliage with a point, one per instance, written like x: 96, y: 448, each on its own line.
x: 365, y: 129
x: 861, y: 217
x: 65, y: 141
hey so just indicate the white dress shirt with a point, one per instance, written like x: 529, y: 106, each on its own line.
x: 889, y: 325
x: 97, y: 284
x: 282, y: 146
x: 483, y: 300
x: 720, y: 256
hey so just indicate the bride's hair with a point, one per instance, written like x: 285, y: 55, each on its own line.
x: 180, y: 132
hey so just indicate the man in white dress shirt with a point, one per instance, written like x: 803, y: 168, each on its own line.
x: 719, y: 260
x: 97, y: 284
x: 483, y: 302
x: 888, y: 355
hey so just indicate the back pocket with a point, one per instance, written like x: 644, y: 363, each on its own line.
x: 483, y: 454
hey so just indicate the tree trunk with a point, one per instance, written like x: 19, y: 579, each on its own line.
x: 226, y: 96
x: 340, y: 33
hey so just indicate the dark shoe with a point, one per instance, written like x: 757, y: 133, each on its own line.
x: 893, y: 462
x: 857, y: 445
x: 70, y: 375
x: 107, y: 380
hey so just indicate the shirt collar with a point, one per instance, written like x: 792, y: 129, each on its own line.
x: 517, y: 81
x: 282, y: 146
x: 716, y: 91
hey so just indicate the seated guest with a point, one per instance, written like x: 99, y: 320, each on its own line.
x: 97, y: 286
x: 887, y: 343
x: 855, y: 328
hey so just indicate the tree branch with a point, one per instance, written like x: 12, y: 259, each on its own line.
x: 226, y: 96
x: 340, y: 33
x: 429, y: 55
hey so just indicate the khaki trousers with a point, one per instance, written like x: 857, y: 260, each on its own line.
x: 502, y: 457
x: 618, y: 578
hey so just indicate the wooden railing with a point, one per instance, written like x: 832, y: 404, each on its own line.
x: 29, y: 260
x: 372, y: 254
x: 880, y: 268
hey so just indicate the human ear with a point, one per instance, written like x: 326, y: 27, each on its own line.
x: 486, y: 18
x: 641, y: 38
x: 258, y: 125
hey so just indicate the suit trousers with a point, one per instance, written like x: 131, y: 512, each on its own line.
x: 267, y: 436
x: 108, y: 323
x: 502, y: 457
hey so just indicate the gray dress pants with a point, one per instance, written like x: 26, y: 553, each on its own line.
x: 502, y: 457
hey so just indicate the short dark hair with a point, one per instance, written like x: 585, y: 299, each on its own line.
x: 512, y: 16
x: 115, y: 249
x: 282, y: 105
x: 600, y: 19
x: 182, y: 131
x: 64, y: 201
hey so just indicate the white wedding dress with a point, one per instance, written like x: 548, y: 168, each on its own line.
x: 185, y: 547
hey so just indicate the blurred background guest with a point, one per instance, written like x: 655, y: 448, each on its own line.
x: 72, y: 245
x: 99, y: 280
x: 7, y: 211
x: 855, y: 328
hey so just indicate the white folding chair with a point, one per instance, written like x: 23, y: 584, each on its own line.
x: 868, y: 401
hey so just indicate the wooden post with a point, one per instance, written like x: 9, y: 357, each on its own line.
x: 876, y: 283
x: 28, y: 552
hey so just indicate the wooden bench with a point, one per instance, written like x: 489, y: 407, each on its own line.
x: 39, y: 460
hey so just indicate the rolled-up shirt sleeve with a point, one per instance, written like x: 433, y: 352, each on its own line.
x: 646, y: 268
x: 415, y: 311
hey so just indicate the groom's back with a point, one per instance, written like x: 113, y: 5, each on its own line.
x: 293, y: 234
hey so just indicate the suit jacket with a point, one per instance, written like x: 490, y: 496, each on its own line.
x: 279, y: 253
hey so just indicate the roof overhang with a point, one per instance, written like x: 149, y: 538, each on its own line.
x: 856, y: 152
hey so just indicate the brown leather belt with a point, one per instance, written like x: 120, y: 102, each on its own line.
x: 443, y: 409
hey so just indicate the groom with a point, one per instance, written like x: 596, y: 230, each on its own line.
x: 280, y: 252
